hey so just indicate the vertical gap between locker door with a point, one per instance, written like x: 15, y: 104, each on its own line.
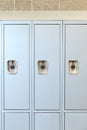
x: 2, y: 77
x: 64, y: 68
x: 33, y: 70
x: 1, y: 72
x: 60, y: 89
x: 61, y: 76
x: 30, y: 55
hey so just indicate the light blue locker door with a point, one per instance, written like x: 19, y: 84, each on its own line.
x: 17, y: 121
x: 47, y: 121
x: 76, y: 76
x: 16, y: 66
x: 75, y: 121
x: 0, y: 77
x: 47, y: 65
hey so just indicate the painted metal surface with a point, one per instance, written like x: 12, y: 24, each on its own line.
x: 76, y: 121
x: 47, y: 47
x: 48, y: 88
x: 16, y: 85
x: 16, y: 77
x: 17, y: 121
x: 0, y: 78
x: 76, y: 84
x: 20, y: 109
x: 47, y: 121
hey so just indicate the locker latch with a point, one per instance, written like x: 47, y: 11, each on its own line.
x: 12, y: 66
x: 42, y: 67
x: 73, y: 66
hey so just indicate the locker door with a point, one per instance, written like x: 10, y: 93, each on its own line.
x: 47, y: 121
x: 17, y: 121
x: 0, y: 77
x: 75, y: 121
x: 47, y: 66
x: 76, y: 67
x: 16, y: 70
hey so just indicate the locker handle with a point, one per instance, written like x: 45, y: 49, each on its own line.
x: 12, y: 66
x: 73, y: 67
x: 42, y: 66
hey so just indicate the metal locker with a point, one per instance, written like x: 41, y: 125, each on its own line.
x: 0, y: 78
x: 46, y: 121
x: 75, y: 66
x: 75, y: 121
x: 47, y: 65
x: 16, y: 66
x: 17, y: 121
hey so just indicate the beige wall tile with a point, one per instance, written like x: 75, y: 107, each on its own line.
x: 22, y: 5
x: 46, y: 4
x: 73, y: 4
x: 7, y: 5
x: 7, y: 0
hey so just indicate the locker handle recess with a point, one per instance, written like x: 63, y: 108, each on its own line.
x: 42, y: 66
x: 73, y: 66
x: 12, y: 66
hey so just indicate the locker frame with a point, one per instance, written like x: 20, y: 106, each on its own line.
x: 41, y: 22
x: 68, y: 22
x: 62, y: 110
x: 15, y: 22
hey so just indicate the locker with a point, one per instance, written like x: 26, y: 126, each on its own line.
x: 0, y: 80
x: 75, y: 121
x: 47, y: 121
x: 16, y: 66
x: 76, y: 81
x: 47, y: 65
x: 43, y: 75
x: 17, y: 121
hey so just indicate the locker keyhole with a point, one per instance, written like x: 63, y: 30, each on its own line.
x: 73, y: 67
x: 12, y: 67
x: 42, y: 67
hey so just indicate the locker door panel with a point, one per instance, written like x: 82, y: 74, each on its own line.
x: 76, y: 84
x: 0, y: 76
x: 16, y: 48
x: 17, y: 121
x: 46, y: 121
x: 47, y: 42
x: 76, y: 121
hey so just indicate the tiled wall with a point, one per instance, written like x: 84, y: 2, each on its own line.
x: 25, y: 5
